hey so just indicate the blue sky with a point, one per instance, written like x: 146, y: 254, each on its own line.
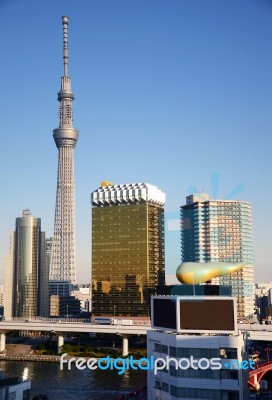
x: 169, y: 92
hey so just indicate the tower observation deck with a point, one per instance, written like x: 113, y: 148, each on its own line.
x: 63, y: 262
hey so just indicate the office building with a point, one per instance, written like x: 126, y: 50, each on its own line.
x: 48, y: 250
x: 60, y: 288
x: 221, y: 231
x: 263, y: 299
x: 1, y: 295
x: 64, y: 307
x: 127, y: 248
x: 63, y: 260
x: 82, y: 292
x: 9, y: 279
x: 172, y: 383
x: 26, y: 275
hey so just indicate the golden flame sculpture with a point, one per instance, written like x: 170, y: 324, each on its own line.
x: 192, y: 273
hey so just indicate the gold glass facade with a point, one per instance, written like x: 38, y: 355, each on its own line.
x: 127, y: 257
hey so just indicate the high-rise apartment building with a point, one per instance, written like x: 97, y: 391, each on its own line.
x: 26, y: 277
x: 221, y: 231
x: 127, y: 248
x: 63, y: 262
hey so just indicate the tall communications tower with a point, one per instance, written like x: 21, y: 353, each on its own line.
x: 63, y: 263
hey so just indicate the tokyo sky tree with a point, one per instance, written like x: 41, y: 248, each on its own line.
x: 63, y: 263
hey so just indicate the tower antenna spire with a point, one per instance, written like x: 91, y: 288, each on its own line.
x: 65, y: 95
x: 63, y: 259
x: 65, y: 44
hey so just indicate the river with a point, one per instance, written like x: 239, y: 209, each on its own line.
x: 74, y: 384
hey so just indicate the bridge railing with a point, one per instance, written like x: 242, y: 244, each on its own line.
x: 51, y: 320
x: 141, y: 322
x: 137, y: 322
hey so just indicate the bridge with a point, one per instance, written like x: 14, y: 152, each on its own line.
x: 139, y: 327
x: 256, y: 375
x: 62, y: 326
x: 257, y: 331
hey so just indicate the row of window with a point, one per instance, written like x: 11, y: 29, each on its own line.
x: 204, y: 374
x: 195, y: 393
x: 182, y: 352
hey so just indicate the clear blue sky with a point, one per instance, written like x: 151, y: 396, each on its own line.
x: 168, y: 92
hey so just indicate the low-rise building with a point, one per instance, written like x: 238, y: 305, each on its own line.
x: 13, y: 388
x: 227, y: 383
x: 196, y: 349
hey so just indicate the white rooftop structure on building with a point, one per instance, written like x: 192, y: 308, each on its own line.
x: 128, y: 193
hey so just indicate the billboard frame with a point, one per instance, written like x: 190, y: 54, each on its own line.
x: 179, y: 329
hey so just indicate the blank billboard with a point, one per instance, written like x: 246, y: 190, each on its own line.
x: 164, y: 313
x: 207, y: 315
x: 194, y: 314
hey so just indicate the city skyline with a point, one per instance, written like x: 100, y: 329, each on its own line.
x: 165, y: 94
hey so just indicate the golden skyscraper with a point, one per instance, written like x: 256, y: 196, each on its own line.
x: 127, y: 248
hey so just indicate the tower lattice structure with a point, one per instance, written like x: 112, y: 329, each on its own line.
x: 63, y: 261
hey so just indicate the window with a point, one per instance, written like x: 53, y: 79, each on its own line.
x: 198, y: 374
x: 165, y: 387
x: 164, y: 349
x: 228, y: 353
x: 26, y: 394
x: 197, y: 353
x: 157, y: 385
x: 195, y: 393
x: 231, y: 395
x: 228, y: 374
x: 157, y: 347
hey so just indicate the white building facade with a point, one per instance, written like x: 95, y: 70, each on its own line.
x: 227, y: 383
